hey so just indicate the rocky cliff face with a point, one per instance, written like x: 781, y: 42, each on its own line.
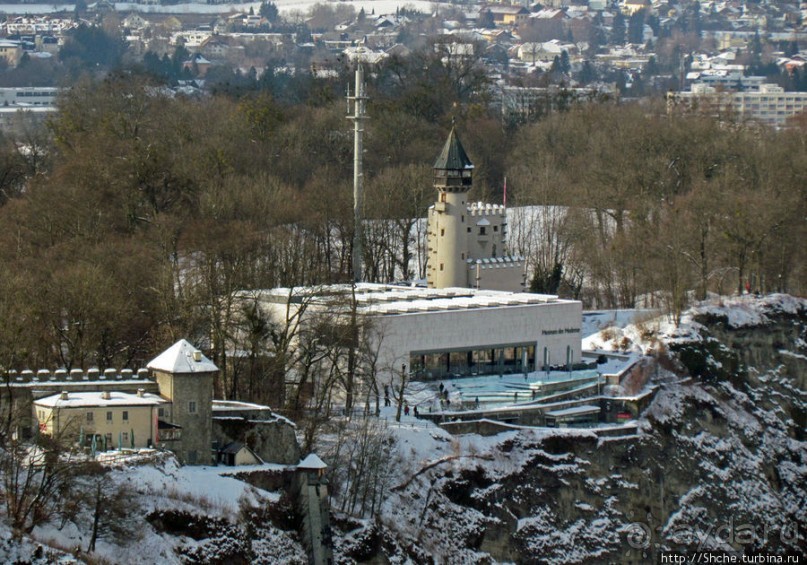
x: 720, y: 463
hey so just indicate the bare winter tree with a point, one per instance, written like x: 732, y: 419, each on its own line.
x: 362, y: 462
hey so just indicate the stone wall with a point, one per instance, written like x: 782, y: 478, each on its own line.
x: 274, y: 441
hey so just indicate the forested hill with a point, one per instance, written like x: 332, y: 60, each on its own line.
x: 134, y: 216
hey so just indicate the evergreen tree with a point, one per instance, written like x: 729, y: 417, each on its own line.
x: 618, y: 29
x: 93, y: 47
x: 651, y: 68
x: 486, y: 20
x: 565, y: 64
x: 636, y: 27
x: 588, y: 73
x: 269, y: 11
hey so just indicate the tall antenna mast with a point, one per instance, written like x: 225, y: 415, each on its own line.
x: 359, y: 116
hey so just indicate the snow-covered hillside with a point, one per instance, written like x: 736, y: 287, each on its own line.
x: 720, y: 462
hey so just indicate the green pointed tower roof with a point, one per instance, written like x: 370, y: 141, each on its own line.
x: 453, y: 155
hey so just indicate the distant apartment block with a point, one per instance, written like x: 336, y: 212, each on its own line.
x: 770, y: 105
x: 527, y: 103
x: 19, y: 106
x: 726, y: 80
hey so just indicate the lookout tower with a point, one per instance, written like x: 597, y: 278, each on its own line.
x: 467, y: 241
x: 448, y: 249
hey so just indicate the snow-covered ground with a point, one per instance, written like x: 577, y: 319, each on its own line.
x: 709, y: 454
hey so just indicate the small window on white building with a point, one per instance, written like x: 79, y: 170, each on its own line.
x: 89, y: 417
x: 191, y: 407
x: 125, y: 415
x: 109, y: 416
x: 125, y: 437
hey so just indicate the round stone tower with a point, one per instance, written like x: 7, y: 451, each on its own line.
x: 448, y: 224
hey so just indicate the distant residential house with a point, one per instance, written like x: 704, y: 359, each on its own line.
x: 215, y: 47
x: 792, y: 64
x: 190, y: 39
x: 47, y: 44
x: 455, y: 49
x: 172, y: 23
x: 343, y: 26
x: 101, y: 7
x: 197, y: 65
x: 135, y: 22
x: 630, y: 7
x: 385, y: 22
x: 548, y: 14
x: 543, y: 52
x: 398, y: 50
x: 11, y: 51
x: 368, y: 57
x: 500, y: 36
x: 509, y: 15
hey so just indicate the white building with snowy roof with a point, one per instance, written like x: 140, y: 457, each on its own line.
x: 114, y: 419
x: 434, y: 333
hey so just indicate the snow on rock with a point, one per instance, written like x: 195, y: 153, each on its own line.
x: 748, y: 310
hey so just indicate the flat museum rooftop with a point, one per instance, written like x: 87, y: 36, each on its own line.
x: 391, y: 299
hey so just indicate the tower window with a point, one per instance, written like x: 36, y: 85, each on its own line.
x: 191, y: 407
x: 441, y: 266
x: 463, y: 256
x: 462, y: 219
x: 442, y: 232
x: 482, y: 230
x: 495, y: 228
x: 469, y: 229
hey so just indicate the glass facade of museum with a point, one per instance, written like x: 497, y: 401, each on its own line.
x: 489, y: 360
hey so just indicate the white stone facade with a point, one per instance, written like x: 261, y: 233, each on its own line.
x: 448, y: 332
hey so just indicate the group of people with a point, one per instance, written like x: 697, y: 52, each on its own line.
x: 388, y: 402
